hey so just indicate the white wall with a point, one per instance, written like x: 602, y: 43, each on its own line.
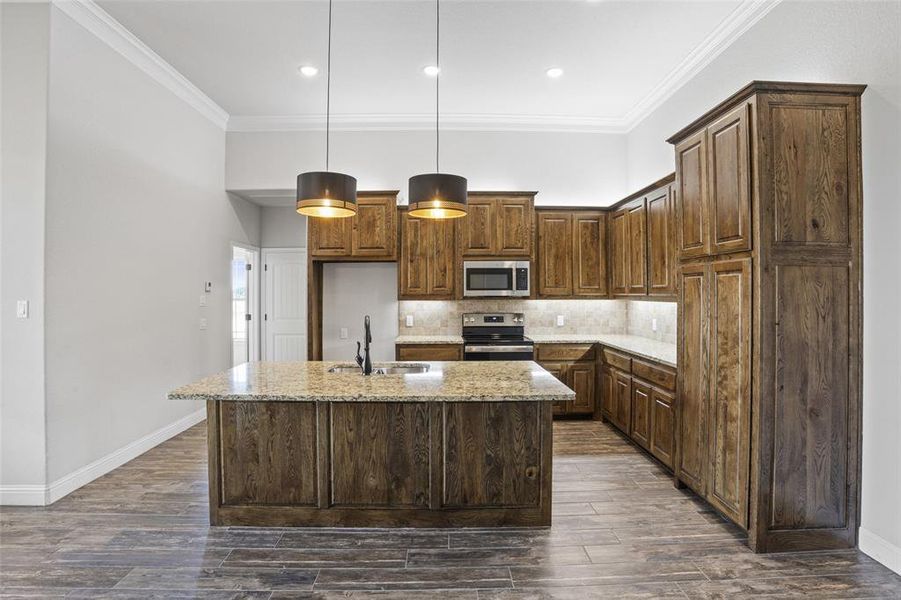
x: 136, y: 220
x: 565, y: 168
x: 847, y: 42
x: 24, y: 35
x: 282, y: 227
x: 349, y: 292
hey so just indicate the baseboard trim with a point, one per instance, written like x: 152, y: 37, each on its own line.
x: 880, y: 550
x: 38, y: 495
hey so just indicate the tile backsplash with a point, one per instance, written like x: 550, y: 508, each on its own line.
x: 432, y: 317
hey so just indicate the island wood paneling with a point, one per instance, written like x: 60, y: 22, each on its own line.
x: 379, y: 464
x: 379, y: 454
x: 492, y: 454
x: 267, y: 453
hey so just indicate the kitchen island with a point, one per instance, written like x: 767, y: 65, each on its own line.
x: 460, y: 444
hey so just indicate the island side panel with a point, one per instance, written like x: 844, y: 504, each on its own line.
x: 213, y: 470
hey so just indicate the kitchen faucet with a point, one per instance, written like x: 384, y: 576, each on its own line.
x: 363, y: 361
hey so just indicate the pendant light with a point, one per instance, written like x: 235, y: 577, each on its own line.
x: 325, y: 193
x: 437, y: 195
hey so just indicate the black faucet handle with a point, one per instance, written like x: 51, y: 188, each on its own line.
x: 359, y: 358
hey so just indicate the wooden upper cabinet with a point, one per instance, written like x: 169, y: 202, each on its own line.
x: 555, y: 254
x: 479, y: 228
x: 370, y: 234
x: 729, y: 182
x: 691, y: 197
x: 426, y: 263
x: 330, y: 237
x: 497, y: 225
x: 661, y: 234
x: 589, y: 254
x: 375, y: 227
x: 619, y: 253
x: 638, y: 247
x: 514, y: 226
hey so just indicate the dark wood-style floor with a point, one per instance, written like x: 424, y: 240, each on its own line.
x: 620, y: 531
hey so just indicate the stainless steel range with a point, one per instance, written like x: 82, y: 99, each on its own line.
x: 496, y: 336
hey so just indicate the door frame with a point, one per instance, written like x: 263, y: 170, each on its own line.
x: 263, y: 299
x: 254, y: 293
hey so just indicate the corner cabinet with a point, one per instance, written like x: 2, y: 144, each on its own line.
x: 425, y: 269
x: 371, y: 234
x: 642, y: 251
x: 575, y: 366
x: 572, y: 257
x: 768, y: 204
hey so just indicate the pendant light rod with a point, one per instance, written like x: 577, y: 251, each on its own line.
x: 437, y: 79
x: 328, y: 83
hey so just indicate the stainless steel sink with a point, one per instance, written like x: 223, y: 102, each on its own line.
x: 386, y: 370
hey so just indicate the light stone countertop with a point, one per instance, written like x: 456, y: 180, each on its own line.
x: 429, y: 339
x: 457, y: 381
x: 661, y: 352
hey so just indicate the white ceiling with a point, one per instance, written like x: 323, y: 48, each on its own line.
x: 618, y: 57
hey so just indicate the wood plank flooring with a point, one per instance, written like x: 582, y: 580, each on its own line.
x: 620, y: 531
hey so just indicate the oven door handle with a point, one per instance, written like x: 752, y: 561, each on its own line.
x: 497, y: 349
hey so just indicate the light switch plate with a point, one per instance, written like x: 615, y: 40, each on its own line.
x: 653, y: 324
x: 560, y: 320
x: 202, y: 323
x: 343, y: 333
x: 409, y: 320
x: 22, y: 309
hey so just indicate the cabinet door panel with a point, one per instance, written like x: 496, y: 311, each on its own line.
x: 479, y: 228
x: 441, y: 258
x: 555, y: 260
x: 619, y: 228
x: 330, y: 237
x: 640, y: 431
x: 729, y: 188
x: 730, y: 388
x: 662, y: 426
x: 661, y: 255
x: 691, y: 197
x: 429, y: 352
x: 693, y: 377
x: 638, y: 248
x: 514, y: 226
x: 561, y: 372
x: 622, y: 388
x: 375, y: 228
x: 608, y: 402
x: 413, y: 263
x: 583, y: 377
x: 589, y: 254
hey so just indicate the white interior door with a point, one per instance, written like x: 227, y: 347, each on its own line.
x: 285, y: 304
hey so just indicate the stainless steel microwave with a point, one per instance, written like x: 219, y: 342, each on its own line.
x: 485, y: 278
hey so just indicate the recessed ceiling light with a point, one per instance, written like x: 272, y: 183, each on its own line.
x: 431, y: 70
x: 554, y: 72
x: 308, y: 71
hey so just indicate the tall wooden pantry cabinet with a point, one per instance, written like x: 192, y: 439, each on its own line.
x: 768, y: 203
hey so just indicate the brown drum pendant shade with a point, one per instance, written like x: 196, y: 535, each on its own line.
x: 437, y: 196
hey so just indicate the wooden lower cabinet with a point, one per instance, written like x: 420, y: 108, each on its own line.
x: 428, y: 352
x: 638, y: 398
x: 574, y: 365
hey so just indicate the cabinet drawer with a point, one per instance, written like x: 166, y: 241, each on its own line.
x: 657, y: 375
x: 615, y: 359
x: 566, y: 352
x: 429, y: 352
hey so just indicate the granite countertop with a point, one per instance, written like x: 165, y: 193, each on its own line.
x: 457, y: 381
x: 661, y: 352
x: 429, y: 339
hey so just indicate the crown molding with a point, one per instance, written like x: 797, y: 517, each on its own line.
x: 426, y: 122
x: 726, y: 33
x: 98, y: 22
